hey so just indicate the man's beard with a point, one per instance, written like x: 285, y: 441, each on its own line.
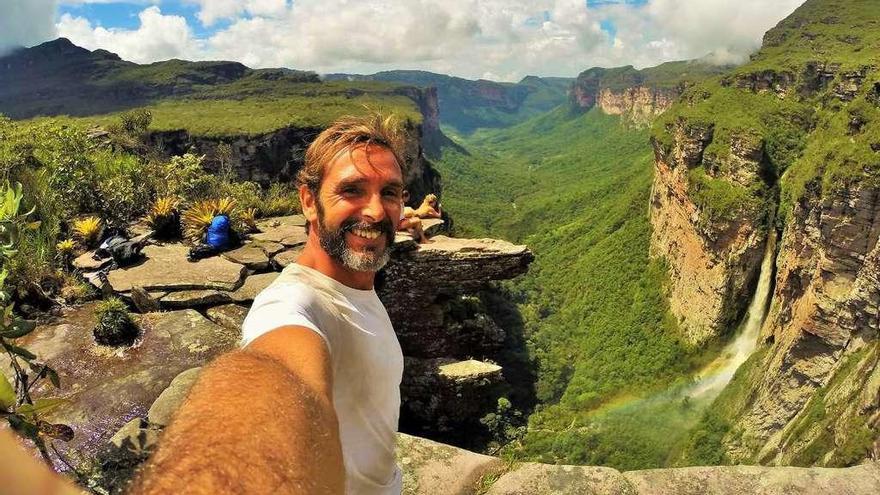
x: 334, y: 243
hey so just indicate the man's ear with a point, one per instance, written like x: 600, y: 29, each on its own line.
x: 308, y: 201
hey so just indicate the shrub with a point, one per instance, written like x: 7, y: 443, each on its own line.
x: 87, y: 230
x: 115, y: 326
x: 281, y: 199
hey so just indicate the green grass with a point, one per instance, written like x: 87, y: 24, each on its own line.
x: 258, y: 115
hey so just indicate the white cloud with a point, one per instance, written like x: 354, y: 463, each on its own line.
x: 210, y: 11
x: 159, y: 37
x: 505, y: 39
x: 24, y: 23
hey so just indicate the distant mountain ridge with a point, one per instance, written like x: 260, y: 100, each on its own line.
x: 467, y: 104
x: 58, y: 77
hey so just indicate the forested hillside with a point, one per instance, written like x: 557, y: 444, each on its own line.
x: 574, y: 187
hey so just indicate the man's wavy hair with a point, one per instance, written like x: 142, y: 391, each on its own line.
x: 349, y: 133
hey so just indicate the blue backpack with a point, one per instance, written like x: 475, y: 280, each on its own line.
x: 218, y: 232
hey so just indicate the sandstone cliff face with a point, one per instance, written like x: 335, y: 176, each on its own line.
x: 712, y: 264
x: 278, y: 155
x: 637, y: 95
x: 824, y: 330
x: 638, y: 105
x: 812, y: 396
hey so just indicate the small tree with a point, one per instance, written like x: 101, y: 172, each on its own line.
x: 17, y: 405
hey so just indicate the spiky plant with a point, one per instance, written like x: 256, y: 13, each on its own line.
x: 65, y: 247
x: 197, y: 218
x: 164, y: 218
x: 115, y: 325
x: 87, y: 230
x: 225, y: 206
x: 247, y: 220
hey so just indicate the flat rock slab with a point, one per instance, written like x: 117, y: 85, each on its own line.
x: 193, y: 298
x: 249, y: 255
x: 285, y: 258
x: 296, y: 220
x: 547, y: 479
x: 468, y: 370
x: 252, y: 286
x: 171, y: 398
x: 108, y: 387
x: 228, y: 315
x: 166, y: 268
x: 289, y: 231
x: 431, y: 468
x: 87, y: 262
x: 757, y: 480
x: 468, y: 248
x: 269, y: 247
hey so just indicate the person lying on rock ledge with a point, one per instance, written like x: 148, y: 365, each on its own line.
x: 310, y: 402
x: 411, y: 223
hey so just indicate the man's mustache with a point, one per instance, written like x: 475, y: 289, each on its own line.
x: 385, y: 226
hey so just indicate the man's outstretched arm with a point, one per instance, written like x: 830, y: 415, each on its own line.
x: 259, y: 420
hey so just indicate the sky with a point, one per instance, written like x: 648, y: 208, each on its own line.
x: 501, y: 40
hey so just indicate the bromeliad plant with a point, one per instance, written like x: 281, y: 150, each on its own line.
x: 87, y: 230
x: 198, y: 217
x: 17, y: 405
x: 164, y: 218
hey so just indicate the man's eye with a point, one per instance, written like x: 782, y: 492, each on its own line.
x: 391, y: 194
x: 350, y: 191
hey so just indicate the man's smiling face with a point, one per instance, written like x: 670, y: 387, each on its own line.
x: 358, y: 207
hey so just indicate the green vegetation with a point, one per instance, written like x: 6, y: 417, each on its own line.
x: 468, y: 105
x: 669, y: 75
x: 17, y: 404
x: 574, y: 187
x: 115, y: 326
x: 258, y: 115
x: 808, y: 106
x: 703, y: 444
x: 75, y: 185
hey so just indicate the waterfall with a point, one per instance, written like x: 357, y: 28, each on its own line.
x: 715, y: 376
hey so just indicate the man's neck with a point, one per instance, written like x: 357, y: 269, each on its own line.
x: 314, y: 257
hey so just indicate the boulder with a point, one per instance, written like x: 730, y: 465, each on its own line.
x: 249, y: 255
x: 166, y: 268
x: 432, y: 468
x: 228, y: 315
x: 171, y: 398
x: 445, y: 395
x: 547, y: 479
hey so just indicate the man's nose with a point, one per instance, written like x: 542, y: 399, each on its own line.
x: 374, y: 210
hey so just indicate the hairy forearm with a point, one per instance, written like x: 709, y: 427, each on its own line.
x: 249, y: 425
x: 22, y: 474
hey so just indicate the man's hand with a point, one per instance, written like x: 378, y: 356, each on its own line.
x: 259, y: 420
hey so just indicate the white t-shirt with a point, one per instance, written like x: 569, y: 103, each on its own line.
x: 366, y: 360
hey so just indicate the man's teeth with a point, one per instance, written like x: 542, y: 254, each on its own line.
x: 367, y: 234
